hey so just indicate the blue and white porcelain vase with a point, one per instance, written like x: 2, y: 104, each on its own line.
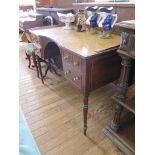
x: 107, y: 21
x: 92, y: 20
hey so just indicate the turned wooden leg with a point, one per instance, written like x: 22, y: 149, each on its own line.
x: 35, y: 63
x: 28, y: 57
x: 39, y: 67
x: 46, y: 70
x: 115, y: 124
x: 121, y: 93
x: 51, y: 67
x: 85, y: 111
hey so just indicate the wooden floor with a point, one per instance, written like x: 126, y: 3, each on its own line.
x: 54, y: 114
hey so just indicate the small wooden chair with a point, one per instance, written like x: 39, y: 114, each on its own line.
x: 50, y: 54
x: 43, y: 50
x: 30, y: 50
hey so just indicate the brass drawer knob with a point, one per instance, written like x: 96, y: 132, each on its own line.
x: 76, y: 78
x: 67, y: 72
x: 66, y: 57
x: 76, y: 63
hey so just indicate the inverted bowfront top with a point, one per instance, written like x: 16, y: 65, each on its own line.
x: 81, y: 43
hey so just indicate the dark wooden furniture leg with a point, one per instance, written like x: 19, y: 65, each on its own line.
x: 29, y: 59
x: 39, y: 67
x: 122, y: 89
x: 86, y: 92
x: 51, y: 67
x: 35, y: 63
x: 46, y: 70
x: 115, y: 124
x: 85, y: 112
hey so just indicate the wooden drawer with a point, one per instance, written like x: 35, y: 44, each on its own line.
x: 77, y: 64
x: 73, y: 60
x: 72, y: 68
x: 71, y: 75
x: 67, y: 58
x: 76, y: 79
x: 67, y: 71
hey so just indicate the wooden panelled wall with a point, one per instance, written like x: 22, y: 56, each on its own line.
x: 63, y: 3
x: 124, y: 11
x: 44, y: 3
x: 58, y: 3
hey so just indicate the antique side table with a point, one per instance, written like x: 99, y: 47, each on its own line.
x: 88, y: 61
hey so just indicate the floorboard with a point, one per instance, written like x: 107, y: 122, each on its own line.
x: 55, y: 116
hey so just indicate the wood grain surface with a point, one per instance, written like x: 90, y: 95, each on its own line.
x: 81, y: 43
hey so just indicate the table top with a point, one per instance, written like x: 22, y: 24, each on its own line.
x: 81, y: 43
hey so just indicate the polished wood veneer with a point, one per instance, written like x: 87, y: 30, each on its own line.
x: 84, y: 44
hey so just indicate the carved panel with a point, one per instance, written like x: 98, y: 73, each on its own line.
x: 127, y: 41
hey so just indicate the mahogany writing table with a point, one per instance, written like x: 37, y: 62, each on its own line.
x: 88, y: 61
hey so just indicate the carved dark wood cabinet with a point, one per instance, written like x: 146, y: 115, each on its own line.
x: 121, y: 130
